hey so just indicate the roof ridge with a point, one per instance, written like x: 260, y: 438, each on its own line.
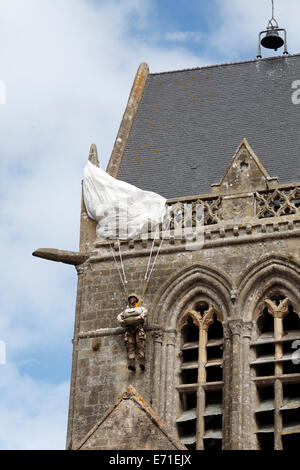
x: 226, y: 64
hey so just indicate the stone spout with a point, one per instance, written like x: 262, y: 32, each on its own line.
x: 62, y: 256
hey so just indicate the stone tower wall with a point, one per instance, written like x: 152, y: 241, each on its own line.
x: 242, y: 259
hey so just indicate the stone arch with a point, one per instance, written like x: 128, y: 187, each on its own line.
x: 196, y: 318
x: 272, y: 274
x: 188, y: 286
x: 179, y: 294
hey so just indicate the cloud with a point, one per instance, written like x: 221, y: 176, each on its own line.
x: 68, y: 68
x: 243, y: 20
x: 32, y: 412
x: 184, y: 36
x: 68, y: 72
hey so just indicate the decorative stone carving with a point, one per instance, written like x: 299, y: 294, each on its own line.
x: 277, y: 203
x: 236, y: 327
x: 209, y: 211
x: 247, y: 329
x: 157, y: 336
x: 208, y: 317
x: 278, y: 311
x: 203, y: 321
x: 226, y: 331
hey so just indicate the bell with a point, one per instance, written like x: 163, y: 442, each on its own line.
x: 272, y: 40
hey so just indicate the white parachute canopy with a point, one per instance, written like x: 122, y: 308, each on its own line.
x: 120, y: 209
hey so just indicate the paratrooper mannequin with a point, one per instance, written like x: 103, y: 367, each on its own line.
x: 132, y: 319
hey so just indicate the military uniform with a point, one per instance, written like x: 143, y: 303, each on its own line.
x: 135, y: 337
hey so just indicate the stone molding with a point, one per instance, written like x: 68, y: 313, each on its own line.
x: 184, y: 288
x: 128, y: 118
x: 220, y: 236
x: 272, y: 274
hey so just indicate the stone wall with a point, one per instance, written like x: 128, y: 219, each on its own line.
x: 246, y: 254
x: 101, y: 366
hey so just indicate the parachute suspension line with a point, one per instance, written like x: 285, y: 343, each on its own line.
x: 147, y: 270
x: 122, y: 265
x: 150, y: 256
x: 147, y: 276
x: 153, y: 264
x: 123, y: 279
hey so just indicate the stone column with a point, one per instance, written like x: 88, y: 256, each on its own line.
x: 202, y: 358
x: 162, y: 382
x: 170, y: 388
x: 246, y: 392
x: 227, y: 368
x: 278, y: 312
x: 278, y: 392
x: 157, y: 337
x: 204, y: 323
x: 236, y: 327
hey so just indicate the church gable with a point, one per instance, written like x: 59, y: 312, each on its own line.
x: 141, y: 429
x: 244, y: 173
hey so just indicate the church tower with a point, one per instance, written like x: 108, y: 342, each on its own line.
x: 223, y: 330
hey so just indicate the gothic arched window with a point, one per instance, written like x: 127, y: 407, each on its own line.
x: 276, y: 373
x: 200, y: 417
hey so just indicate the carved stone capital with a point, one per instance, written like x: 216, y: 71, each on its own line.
x: 183, y: 321
x: 278, y: 311
x: 226, y: 331
x: 157, y: 336
x: 247, y: 329
x: 208, y: 318
x: 171, y: 338
x: 236, y: 327
x: 203, y: 321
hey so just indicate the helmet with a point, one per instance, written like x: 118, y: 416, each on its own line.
x: 137, y: 299
x: 133, y: 295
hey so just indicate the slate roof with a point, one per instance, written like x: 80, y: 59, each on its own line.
x: 190, y: 122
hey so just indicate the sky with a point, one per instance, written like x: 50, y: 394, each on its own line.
x: 67, y: 69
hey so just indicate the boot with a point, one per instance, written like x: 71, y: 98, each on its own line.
x: 142, y: 363
x: 131, y: 365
